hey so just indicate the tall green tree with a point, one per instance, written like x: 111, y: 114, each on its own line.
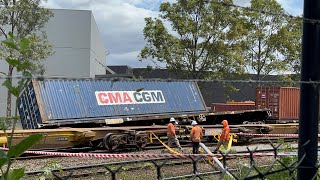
x: 290, y: 44
x: 195, y: 38
x: 25, y: 18
x: 264, y: 21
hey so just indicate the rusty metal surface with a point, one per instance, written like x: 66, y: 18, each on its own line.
x: 289, y: 103
x: 282, y: 101
x: 221, y: 107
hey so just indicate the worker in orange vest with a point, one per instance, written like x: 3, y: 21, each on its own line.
x: 224, y: 138
x: 171, y: 133
x: 196, y: 136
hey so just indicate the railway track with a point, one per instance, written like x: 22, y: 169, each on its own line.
x: 136, y: 169
x: 253, y: 141
x: 139, y: 169
x: 112, y: 170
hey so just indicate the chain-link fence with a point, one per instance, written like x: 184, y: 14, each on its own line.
x: 278, y: 162
x: 245, y: 165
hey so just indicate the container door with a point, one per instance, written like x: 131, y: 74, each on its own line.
x: 268, y: 97
x: 289, y: 102
x: 273, y: 104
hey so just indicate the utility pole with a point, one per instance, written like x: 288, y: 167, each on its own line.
x: 309, y: 93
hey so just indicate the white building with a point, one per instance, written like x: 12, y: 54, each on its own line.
x: 77, y: 43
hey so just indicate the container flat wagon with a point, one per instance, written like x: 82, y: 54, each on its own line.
x: 118, y: 113
x: 71, y: 102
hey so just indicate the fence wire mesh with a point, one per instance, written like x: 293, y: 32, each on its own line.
x: 213, y: 90
x: 277, y: 167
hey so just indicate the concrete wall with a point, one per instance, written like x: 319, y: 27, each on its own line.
x: 3, y: 92
x: 78, y: 46
x: 69, y: 32
x: 97, y: 51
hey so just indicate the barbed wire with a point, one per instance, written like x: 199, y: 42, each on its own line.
x: 42, y: 78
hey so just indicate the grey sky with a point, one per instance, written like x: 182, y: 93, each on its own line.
x: 121, y: 23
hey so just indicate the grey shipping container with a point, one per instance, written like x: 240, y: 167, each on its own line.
x: 88, y: 100
x: 282, y: 101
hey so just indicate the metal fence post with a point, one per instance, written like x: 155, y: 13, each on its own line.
x: 309, y: 102
x: 113, y: 172
x: 159, y: 166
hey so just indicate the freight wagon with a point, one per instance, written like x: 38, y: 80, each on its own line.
x: 71, y: 102
x: 92, y: 102
x: 119, y: 112
x: 221, y: 107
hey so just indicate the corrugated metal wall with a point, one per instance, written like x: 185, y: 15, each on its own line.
x: 289, y: 103
x: 59, y: 100
x: 282, y: 101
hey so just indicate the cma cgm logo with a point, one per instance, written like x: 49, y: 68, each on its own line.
x: 129, y: 97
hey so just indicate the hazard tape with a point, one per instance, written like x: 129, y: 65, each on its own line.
x: 149, y: 156
x: 270, y: 135
x: 166, y: 146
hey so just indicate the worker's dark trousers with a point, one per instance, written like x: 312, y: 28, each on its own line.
x: 195, y: 147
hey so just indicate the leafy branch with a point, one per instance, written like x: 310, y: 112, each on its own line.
x: 20, y: 47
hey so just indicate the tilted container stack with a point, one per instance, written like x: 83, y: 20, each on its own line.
x: 92, y: 100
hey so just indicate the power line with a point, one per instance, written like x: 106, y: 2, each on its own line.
x: 41, y: 78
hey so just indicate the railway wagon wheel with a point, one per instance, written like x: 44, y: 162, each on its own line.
x: 111, y: 142
x: 202, y: 118
x: 141, y: 140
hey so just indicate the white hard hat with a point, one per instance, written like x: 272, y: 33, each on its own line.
x: 194, y: 123
x: 172, y: 120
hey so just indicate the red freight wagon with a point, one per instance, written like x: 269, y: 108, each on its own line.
x: 282, y: 101
x: 220, y: 107
x: 241, y: 102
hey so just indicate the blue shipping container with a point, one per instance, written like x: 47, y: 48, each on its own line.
x: 53, y: 101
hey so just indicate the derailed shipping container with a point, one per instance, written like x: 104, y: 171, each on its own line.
x: 88, y: 100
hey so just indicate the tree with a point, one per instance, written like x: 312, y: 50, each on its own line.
x: 25, y: 18
x: 201, y: 41
x: 21, y: 48
x: 264, y: 21
x: 291, y: 43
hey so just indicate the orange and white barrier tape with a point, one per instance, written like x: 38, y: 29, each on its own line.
x: 269, y: 135
x: 149, y: 156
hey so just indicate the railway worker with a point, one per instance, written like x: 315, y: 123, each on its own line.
x: 224, y: 138
x: 196, y: 136
x: 171, y: 133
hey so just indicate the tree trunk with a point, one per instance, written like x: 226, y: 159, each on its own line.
x: 10, y: 66
x: 9, y: 93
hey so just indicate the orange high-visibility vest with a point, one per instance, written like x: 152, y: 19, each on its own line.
x: 171, y: 131
x: 196, y: 134
x: 225, y: 131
